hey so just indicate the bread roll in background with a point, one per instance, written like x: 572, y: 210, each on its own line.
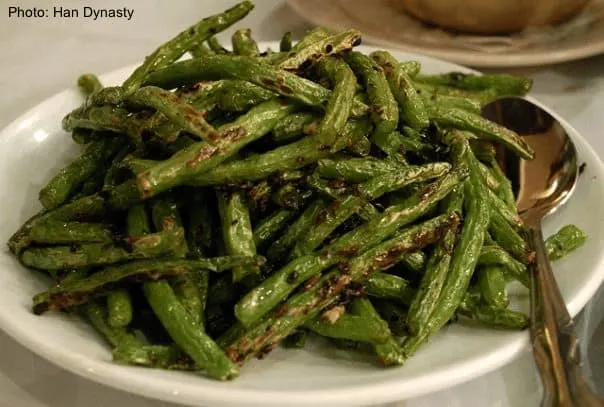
x: 491, y: 16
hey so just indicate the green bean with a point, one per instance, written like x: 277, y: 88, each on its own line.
x: 89, y: 206
x: 505, y: 192
x: 368, y: 191
x: 240, y: 96
x: 199, y: 225
x: 340, y: 211
x: 503, y: 85
x: 82, y: 136
x: 243, y: 44
x: 504, y: 211
x: 188, y: 287
x: 384, y: 109
x: 89, y: 83
x: 394, y: 314
x: 248, y: 69
x: 334, y: 44
x: 492, y: 285
x: 496, y: 256
x: 413, y: 110
x: 304, y: 306
x: 355, y: 169
x: 312, y: 36
x: 104, y: 118
x: 268, y: 227
x: 119, y: 308
x: 339, y: 106
x: 62, y: 232
x: 237, y: 232
x: 483, y: 128
x: 296, y: 339
x: 293, y: 126
x: 395, y: 144
x: 201, y: 51
x: 172, y: 50
x: 289, y: 157
x: 428, y: 295
x: 271, y: 291
x: 481, y: 96
x: 199, y: 242
x: 165, y: 214
x: 352, y: 327
x: 177, y: 111
x: 389, y: 352
x: 96, y: 284
x: 296, y: 230
x: 493, y: 318
x: 187, y: 333
x: 361, y: 147
x: 506, y: 237
x: 492, y: 182
x: 483, y: 150
x: 466, y: 251
x: 363, y: 327
x: 137, y: 221
x: 97, y: 254
x: 63, y: 185
x: 411, y: 68
x: 390, y: 287
x: 564, y: 241
x: 201, y: 157
x: 215, y: 46
x: 285, y: 45
x: 128, y: 349
x: 452, y: 102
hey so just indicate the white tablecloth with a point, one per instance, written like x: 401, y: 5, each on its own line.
x: 41, y: 56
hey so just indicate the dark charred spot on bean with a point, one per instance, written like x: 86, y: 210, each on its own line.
x: 234, y: 133
x: 262, y: 353
x: 192, y: 31
x: 321, y: 217
x: 311, y: 282
x: 379, y: 110
x: 292, y: 277
x: 299, y: 159
x: 286, y: 89
x: 204, y: 153
x: 268, y: 82
x: 234, y: 222
x: 418, y: 91
x: 344, y: 266
x: 74, y: 248
x: 212, y: 30
x: 356, y: 41
x: 349, y: 250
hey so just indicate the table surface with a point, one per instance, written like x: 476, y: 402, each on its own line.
x: 41, y: 56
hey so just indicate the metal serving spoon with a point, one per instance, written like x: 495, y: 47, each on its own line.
x: 541, y: 186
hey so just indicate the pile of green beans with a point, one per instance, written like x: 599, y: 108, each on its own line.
x: 228, y: 202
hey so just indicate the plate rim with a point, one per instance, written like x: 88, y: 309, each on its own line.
x: 475, y: 59
x: 388, y: 390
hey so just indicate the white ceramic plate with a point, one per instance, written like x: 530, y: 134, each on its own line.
x: 383, y: 24
x: 34, y: 147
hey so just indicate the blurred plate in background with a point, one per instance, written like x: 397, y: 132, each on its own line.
x: 384, y: 24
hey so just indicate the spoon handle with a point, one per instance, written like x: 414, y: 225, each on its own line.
x: 555, y: 343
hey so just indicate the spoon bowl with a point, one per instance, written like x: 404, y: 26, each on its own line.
x: 541, y: 186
